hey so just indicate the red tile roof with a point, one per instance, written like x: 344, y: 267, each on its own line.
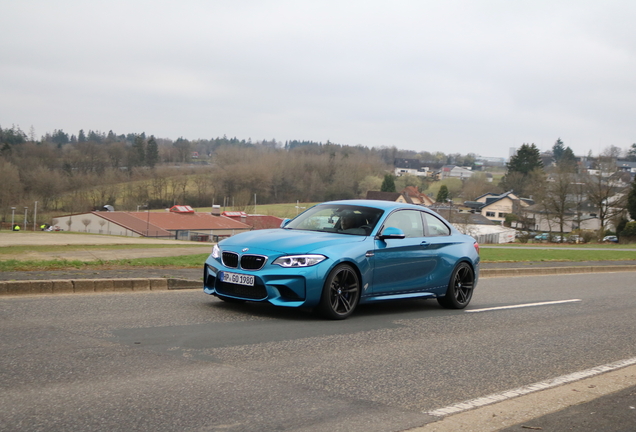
x: 171, y: 221
x: 134, y: 223
x: 256, y: 221
x: 191, y: 221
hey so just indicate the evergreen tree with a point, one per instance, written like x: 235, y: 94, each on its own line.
x: 138, y: 151
x: 388, y: 185
x: 442, y: 195
x: 59, y: 137
x: 152, y: 152
x: 527, y: 159
x: 81, y: 137
x: 523, y: 166
x: 13, y: 136
x: 631, y: 153
x: 557, y: 150
x: 567, y: 161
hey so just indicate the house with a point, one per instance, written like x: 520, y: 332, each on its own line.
x: 180, y: 222
x: 477, y: 226
x: 454, y: 171
x: 416, y: 196
x: 626, y: 166
x: 412, y: 167
x: 539, y: 219
x: 496, y: 206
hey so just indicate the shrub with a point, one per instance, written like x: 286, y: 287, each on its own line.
x: 628, y: 235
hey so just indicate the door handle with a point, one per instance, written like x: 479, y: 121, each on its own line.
x: 425, y: 244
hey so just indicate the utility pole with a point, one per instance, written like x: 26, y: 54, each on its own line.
x: 35, y: 215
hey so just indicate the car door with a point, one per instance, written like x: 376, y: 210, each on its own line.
x: 403, y: 265
x: 443, y: 247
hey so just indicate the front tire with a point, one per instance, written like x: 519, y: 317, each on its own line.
x: 340, y: 294
x: 460, y: 288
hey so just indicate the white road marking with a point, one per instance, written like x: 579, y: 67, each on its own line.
x: 523, y: 305
x: 542, y: 385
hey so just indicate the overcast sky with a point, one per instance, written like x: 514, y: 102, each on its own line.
x: 464, y: 76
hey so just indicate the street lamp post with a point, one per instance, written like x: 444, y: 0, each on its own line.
x: 12, y: 217
x: 35, y: 215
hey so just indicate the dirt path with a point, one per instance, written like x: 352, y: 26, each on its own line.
x: 92, y: 254
x: 40, y: 238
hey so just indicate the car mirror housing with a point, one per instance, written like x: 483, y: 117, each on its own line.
x: 284, y: 223
x: 391, y: 233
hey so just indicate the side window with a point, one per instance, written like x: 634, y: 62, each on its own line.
x: 434, y: 226
x: 409, y: 221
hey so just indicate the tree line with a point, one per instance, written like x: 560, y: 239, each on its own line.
x: 76, y: 173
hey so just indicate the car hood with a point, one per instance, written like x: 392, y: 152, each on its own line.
x: 288, y: 241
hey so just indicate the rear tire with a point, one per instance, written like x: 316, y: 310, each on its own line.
x: 460, y: 288
x: 340, y: 294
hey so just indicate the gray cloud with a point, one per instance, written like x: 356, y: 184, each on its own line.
x: 457, y: 76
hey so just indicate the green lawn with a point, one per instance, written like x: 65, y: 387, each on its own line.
x: 187, y: 261
x: 496, y: 254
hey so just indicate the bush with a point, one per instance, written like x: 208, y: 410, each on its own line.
x: 628, y: 235
x: 588, y: 236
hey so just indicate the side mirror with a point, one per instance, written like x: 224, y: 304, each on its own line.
x: 391, y: 233
x: 284, y: 223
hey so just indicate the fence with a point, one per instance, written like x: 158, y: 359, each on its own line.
x: 487, y: 238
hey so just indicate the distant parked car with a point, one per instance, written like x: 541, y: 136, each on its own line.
x: 610, y: 238
x: 575, y: 239
x: 542, y: 237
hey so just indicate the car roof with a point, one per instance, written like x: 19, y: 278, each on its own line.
x: 382, y: 205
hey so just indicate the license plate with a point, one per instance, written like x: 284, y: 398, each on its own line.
x: 238, y: 279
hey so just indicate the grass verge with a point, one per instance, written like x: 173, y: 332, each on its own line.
x: 186, y: 261
x: 494, y: 254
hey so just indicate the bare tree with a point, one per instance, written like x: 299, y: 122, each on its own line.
x: 558, y: 200
x: 86, y: 222
x: 603, y: 190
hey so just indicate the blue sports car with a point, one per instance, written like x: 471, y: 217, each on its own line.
x: 339, y: 254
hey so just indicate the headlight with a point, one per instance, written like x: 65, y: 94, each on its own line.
x: 216, y: 252
x: 299, y: 260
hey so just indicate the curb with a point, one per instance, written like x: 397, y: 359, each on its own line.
x: 84, y: 286
x: 544, y: 271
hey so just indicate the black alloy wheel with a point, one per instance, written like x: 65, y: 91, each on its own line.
x: 341, y: 293
x: 460, y: 288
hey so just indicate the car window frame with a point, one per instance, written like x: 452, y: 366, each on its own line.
x: 385, y: 225
x: 427, y: 231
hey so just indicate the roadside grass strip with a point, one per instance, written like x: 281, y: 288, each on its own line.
x: 500, y: 254
x: 183, y: 261
x: 521, y: 391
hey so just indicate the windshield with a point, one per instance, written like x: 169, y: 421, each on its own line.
x: 345, y: 219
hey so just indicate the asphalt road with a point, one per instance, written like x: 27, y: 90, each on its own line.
x: 185, y: 361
